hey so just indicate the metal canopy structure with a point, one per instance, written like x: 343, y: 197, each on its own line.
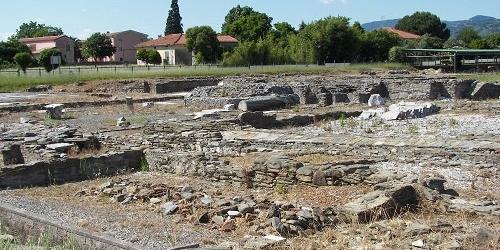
x: 454, y: 59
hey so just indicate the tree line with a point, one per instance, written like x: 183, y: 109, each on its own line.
x: 327, y: 40
x: 331, y: 39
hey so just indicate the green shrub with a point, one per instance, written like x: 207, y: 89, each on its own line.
x: 149, y: 56
x: 154, y: 57
x: 23, y: 60
x: 454, y: 44
x: 45, y: 56
x: 396, y: 54
x: 142, y: 55
x: 479, y: 44
x: 144, y: 165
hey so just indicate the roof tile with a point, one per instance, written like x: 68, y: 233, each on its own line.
x: 179, y: 39
x: 402, y: 34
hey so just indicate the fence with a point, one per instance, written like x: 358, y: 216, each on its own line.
x: 84, y: 69
x: 131, y: 69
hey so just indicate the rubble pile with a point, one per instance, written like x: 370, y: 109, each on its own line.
x: 47, y: 142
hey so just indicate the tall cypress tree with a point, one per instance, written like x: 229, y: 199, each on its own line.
x: 174, y: 25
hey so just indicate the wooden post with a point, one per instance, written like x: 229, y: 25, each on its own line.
x: 477, y: 64
x: 455, y: 63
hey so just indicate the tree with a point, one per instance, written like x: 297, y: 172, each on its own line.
x: 479, y: 44
x: 302, y: 25
x: 375, y: 45
x: 422, y: 23
x: 246, y: 24
x: 23, y: 60
x: 468, y: 34
x: 203, y: 41
x: 454, y: 44
x: 45, y: 58
x: 149, y: 56
x: 357, y: 26
x: 142, y: 55
x: 326, y: 40
x: 429, y: 42
x: 493, y: 40
x: 154, y: 57
x: 78, y: 49
x: 284, y: 29
x: 234, y: 14
x: 396, y: 54
x: 174, y: 20
x: 247, y: 53
x: 98, y: 46
x: 34, y: 29
x: 10, y: 48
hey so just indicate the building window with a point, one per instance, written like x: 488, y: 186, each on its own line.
x: 68, y: 48
x: 121, y: 59
x: 121, y: 49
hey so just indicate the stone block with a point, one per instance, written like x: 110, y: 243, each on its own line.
x: 375, y: 100
x: 258, y: 120
x: 11, y: 155
x: 325, y: 99
x: 340, y: 98
x: 54, y: 111
x: 483, y: 91
x: 380, y: 204
x: 268, y: 103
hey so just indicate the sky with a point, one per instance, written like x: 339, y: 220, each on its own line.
x: 80, y: 18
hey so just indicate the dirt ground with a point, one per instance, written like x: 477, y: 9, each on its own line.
x: 143, y: 223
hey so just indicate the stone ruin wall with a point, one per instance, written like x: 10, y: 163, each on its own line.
x: 201, y: 152
x: 353, y: 89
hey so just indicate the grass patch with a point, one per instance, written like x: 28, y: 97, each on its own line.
x: 413, y: 129
x: 13, y: 83
x: 144, y: 165
x: 488, y: 77
x: 44, y: 241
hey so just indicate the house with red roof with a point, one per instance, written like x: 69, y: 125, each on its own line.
x: 63, y: 43
x: 173, y: 50
x: 402, y: 34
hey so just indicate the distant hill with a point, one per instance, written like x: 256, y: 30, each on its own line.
x: 380, y: 24
x: 483, y: 24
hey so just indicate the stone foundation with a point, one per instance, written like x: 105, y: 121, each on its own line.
x: 69, y: 170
